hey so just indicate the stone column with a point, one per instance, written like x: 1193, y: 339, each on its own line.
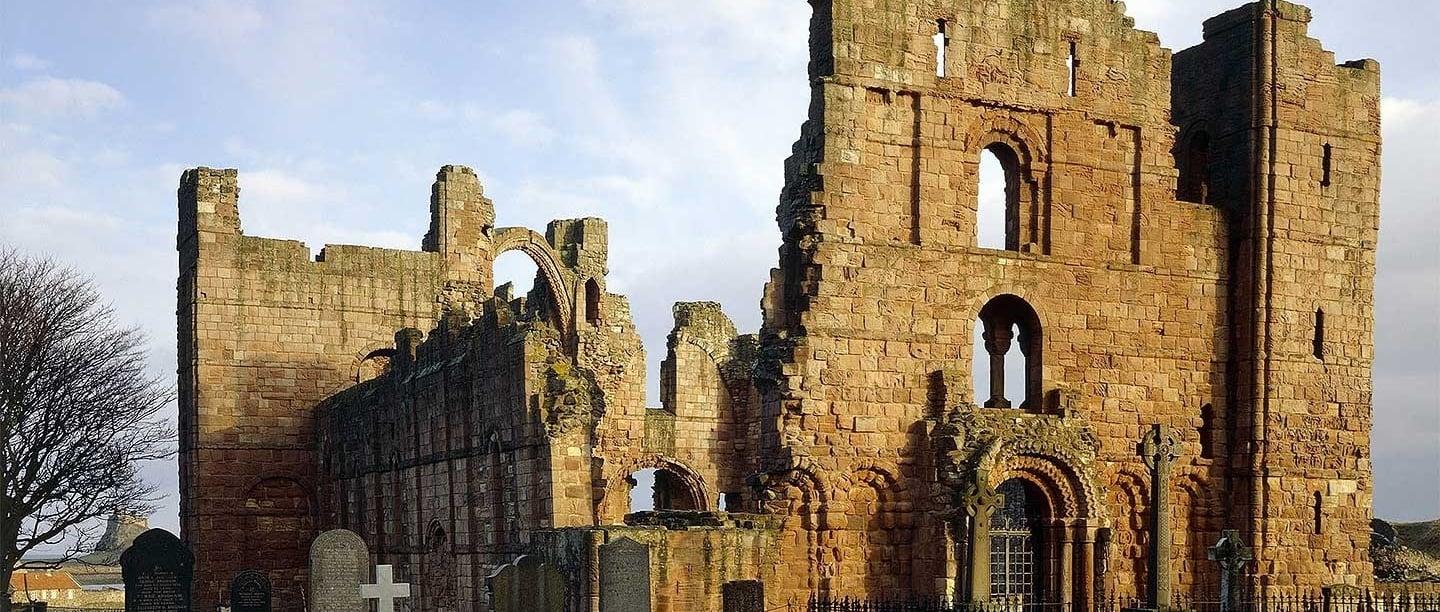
x: 980, y: 502
x: 1231, y: 554
x: 1067, y: 560
x: 1159, y: 448
x: 1087, y: 569
x: 997, y: 342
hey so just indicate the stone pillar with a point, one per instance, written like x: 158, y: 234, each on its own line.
x: 997, y: 343
x: 1087, y: 570
x: 1231, y: 554
x: 1159, y: 448
x: 1066, y: 546
x: 980, y: 502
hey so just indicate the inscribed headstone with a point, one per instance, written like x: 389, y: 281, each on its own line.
x: 339, y: 564
x: 743, y: 596
x: 157, y: 570
x: 250, y: 592
x: 624, y: 576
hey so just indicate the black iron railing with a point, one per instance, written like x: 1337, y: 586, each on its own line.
x: 1317, y: 602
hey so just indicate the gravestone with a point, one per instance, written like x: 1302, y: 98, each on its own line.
x: 743, y: 596
x: 339, y: 564
x: 624, y: 576
x: 529, y: 584
x: 250, y: 592
x: 157, y: 570
x: 385, y: 590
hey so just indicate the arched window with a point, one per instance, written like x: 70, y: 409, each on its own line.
x: 1008, y: 354
x: 374, y: 364
x: 663, y: 489
x: 1195, y: 169
x: 592, y: 302
x: 942, y: 44
x: 997, y: 219
x: 1207, y: 432
x: 439, y: 578
x: 1317, y: 343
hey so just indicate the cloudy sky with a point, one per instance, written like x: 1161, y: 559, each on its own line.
x: 670, y: 118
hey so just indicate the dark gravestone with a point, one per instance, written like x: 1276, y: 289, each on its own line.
x: 527, y: 585
x: 624, y: 576
x: 743, y: 596
x: 157, y: 570
x: 250, y: 592
x: 339, y: 564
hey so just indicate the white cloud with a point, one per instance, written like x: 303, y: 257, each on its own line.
x: 49, y: 97
x: 26, y: 61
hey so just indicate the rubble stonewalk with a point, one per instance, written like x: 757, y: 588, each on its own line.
x: 1173, y: 342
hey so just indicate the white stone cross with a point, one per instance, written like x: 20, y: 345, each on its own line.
x: 385, y: 590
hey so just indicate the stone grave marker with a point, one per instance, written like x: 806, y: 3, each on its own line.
x: 157, y: 570
x: 385, y: 590
x: 743, y: 596
x: 624, y: 576
x: 250, y: 592
x: 339, y: 564
x: 529, y: 584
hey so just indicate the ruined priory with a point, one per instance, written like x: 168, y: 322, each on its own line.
x: 1185, y: 294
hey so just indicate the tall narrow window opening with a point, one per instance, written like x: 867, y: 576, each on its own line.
x: 1074, y: 63
x: 1327, y: 163
x: 592, y: 302
x: 1319, y: 514
x: 942, y: 47
x: 1207, y: 432
x: 998, y: 205
x: 1194, y: 165
x: 1317, y: 344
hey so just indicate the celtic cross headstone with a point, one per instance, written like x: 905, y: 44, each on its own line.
x: 1159, y: 449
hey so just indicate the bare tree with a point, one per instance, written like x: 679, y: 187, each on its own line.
x: 77, y: 415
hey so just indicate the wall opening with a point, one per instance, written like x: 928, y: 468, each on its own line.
x: 1073, y: 62
x: 1317, y: 343
x: 661, y: 489
x: 374, y: 365
x: 1207, y: 432
x: 1326, y: 164
x: 1006, y: 364
x: 1318, y: 509
x: 516, y: 277
x: 1194, y: 169
x: 942, y: 47
x: 998, y: 207
x: 592, y: 302
x: 981, y: 364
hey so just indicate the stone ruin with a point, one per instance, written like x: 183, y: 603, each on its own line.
x: 1188, y: 261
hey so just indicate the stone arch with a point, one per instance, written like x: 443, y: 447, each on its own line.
x: 371, y: 362
x: 1195, y: 528
x: 1020, y: 150
x: 532, y: 244
x: 876, y: 540
x: 1001, y: 317
x: 695, y: 493
x: 801, y: 494
x: 438, y: 591
x: 1129, y: 499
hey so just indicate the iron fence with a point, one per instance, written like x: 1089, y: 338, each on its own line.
x: 1317, y: 602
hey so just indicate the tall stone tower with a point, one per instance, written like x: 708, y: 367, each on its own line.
x: 266, y: 332
x: 1288, y: 143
